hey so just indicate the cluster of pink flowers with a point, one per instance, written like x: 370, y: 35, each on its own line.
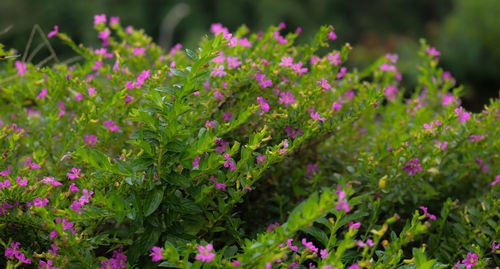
x: 13, y: 251
x: 412, y: 166
x: 218, y: 185
x: 463, y: 116
x: 111, y: 126
x: 469, y: 262
x: 84, y: 199
x: 119, y: 260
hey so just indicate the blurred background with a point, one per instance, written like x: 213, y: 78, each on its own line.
x: 467, y: 32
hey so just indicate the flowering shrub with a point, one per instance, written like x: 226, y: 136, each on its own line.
x: 248, y: 152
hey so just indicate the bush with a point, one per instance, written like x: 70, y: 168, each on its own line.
x: 247, y: 152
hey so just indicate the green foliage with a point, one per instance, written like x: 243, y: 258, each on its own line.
x: 133, y: 157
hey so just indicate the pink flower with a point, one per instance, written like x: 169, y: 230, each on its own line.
x: 336, y: 106
x: 390, y: 93
x: 261, y: 159
x: 218, y: 71
x: 114, y: 20
x: 21, y: 67
x: 334, y: 59
x: 412, y: 166
x: 471, y: 260
x: 51, y: 181
x: 494, y: 246
x: 139, y: 51
x: 354, y: 266
x: 432, y: 217
x: 323, y: 253
x: 263, y: 104
x: 111, y: 126
x: 157, y: 254
x: 209, y: 124
x: 496, y: 181
x: 309, y: 245
x: 233, y: 62
x: 286, y: 61
x: 205, y: 253
x: 432, y: 51
x: 90, y: 140
x: 342, y: 203
x: 341, y: 73
x: 332, y: 35
x: 315, y: 115
x: 324, y: 84
x: 463, y: 116
x: 227, y: 116
x: 92, y: 91
x: 73, y: 188
x: 78, y: 97
x: 129, y: 99
x: 298, y: 69
x: 196, y: 162
x: 42, y: 94
x: 75, y: 174
x: 39, y: 202
x: 98, y: 19
x: 354, y: 225
x: 54, y: 32
x: 287, y: 98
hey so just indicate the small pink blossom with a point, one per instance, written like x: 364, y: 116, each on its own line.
x: 42, y: 94
x: 261, y: 159
x: 432, y: 51
x: 92, y: 91
x: 286, y: 61
x: 463, y: 116
x: 54, y: 32
x: 218, y: 71
x: 21, y: 67
x: 157, y: 253
x: 75, y: 174
x: 98, y: 19
x: 205, y: 253
x: 209, y: 124
x: 332, y: 35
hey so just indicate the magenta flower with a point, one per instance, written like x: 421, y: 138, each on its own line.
x: 341, y: 73
x: 75, y: 174
x: 111, y: 126
x: 42, y: 94
x: 157, y: 254
x: 228, y: 162
x: 432, y: 51
x: 39, y: 202
x: 271, y: 226
x: 334, y: 59
x: 432, y: 217
x: 218, y: 71
x: 412, y: 166
x: 309, y: 245
x: 227, y: 116
x: 336, y: 106
x: 342, y: 204
x: 90, y: 140
x: 21, y: 67
x: 298, y: 69
x: 196, y: 161
x: 206, y: 254
x: 51, y: 181
x: 354, y: 225
x: 114, y: 20
x: 332, y: 35
x: 209, y: 124
x: 92, y: 91
x: 496, y: 181
x: 263, y: 104
x: 315, y: 115
x: 261, y: 159
x: 98, y: 19
x: 73, y: 188
x: 139, y: 51
x: 471, y: 260
x: 463, y: 116
x: 54, y: 32
x: 323, y: 254
x: 390, y: 93
x: 233, y: 62
x: 354, y: 266
x: 324, y: 84
x: 286, y: 61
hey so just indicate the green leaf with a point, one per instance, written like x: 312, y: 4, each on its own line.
x: 191, y: 54
x: 153, y: 201
x: 178, y: 72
